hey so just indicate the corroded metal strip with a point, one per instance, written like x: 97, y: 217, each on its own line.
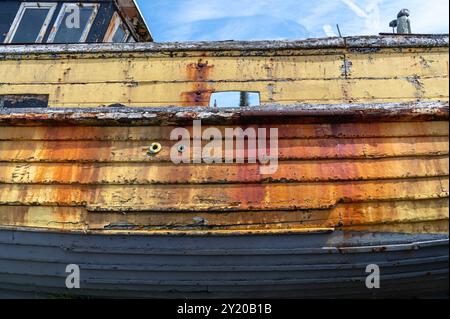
x: 270, y: 114
x: 360, y: 41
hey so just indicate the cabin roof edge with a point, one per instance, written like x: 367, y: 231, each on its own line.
x: 369, y: 42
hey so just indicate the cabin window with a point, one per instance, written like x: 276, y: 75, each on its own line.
x: 117, y: 31
x: 234, y: 99
x: 73, y: 23
x: 18, y: 101
x: 25, y: 27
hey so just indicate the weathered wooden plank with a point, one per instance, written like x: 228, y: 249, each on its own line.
x: 198, y: 93
x: 272, y: 114
x: 167, y: 173
x: 391, y: 65
x: 147, y: 75
x: 430, y: 227
x: 149, y: 133
x: 184, y: 94
x: 217, y: 48
x: 61, y: 218
x: 342, y: 215
x: 144, y: 69
x: 223, y: 197
x: 172, y: 69
x: 136, y: 151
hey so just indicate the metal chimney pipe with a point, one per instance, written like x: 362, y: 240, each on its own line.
x: 402, y: 23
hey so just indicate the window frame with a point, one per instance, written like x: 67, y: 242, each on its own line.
x: 62, y: 12
x: 116, y: 22
x: 20, y: 13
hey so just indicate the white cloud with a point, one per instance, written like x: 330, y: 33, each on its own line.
x: 355, y: 8
x: 328, y: 29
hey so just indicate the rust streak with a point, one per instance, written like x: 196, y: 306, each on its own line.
x: 201, y: 92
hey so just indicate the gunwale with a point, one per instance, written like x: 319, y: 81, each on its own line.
x: 262, y: 47
x: 271, y: 113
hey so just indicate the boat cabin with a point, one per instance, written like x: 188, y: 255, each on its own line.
x: 62, y: 21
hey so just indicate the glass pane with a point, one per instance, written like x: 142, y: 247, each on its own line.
x: 119, y: 35
x: 73, y: 24
x: 30, y: 25
x: 234, y: 99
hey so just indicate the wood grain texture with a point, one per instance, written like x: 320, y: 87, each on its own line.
x: 285, y: 131
x: 363, y: 176
x: 287, y: 77
x: 136, y: 151
x: 168, y: 173
x: 223, y: 197
x: 344, y: 163
x: 341, y: 216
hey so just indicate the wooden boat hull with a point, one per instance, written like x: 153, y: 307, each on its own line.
x: 324, y: 265
x: 351, y: 191
x: 362, y: 172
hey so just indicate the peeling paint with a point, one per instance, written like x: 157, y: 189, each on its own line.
x: 416, y: 81
x: 346, y: 69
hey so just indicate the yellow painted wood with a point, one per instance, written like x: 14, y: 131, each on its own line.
x: 393, y: 65
x: 146, y: 80
x: 170, y: 69
x: 429, y: 64
x: 352, y: 176
x: 60, y: 218
x: 307, y: 91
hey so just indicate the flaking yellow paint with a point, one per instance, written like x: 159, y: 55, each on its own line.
x: 297, y: 76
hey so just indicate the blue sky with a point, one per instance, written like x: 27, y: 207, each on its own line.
x: 194, y: 20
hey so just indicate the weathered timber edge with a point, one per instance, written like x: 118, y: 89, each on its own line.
x: 384, y: 41
x: 298, y: 113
